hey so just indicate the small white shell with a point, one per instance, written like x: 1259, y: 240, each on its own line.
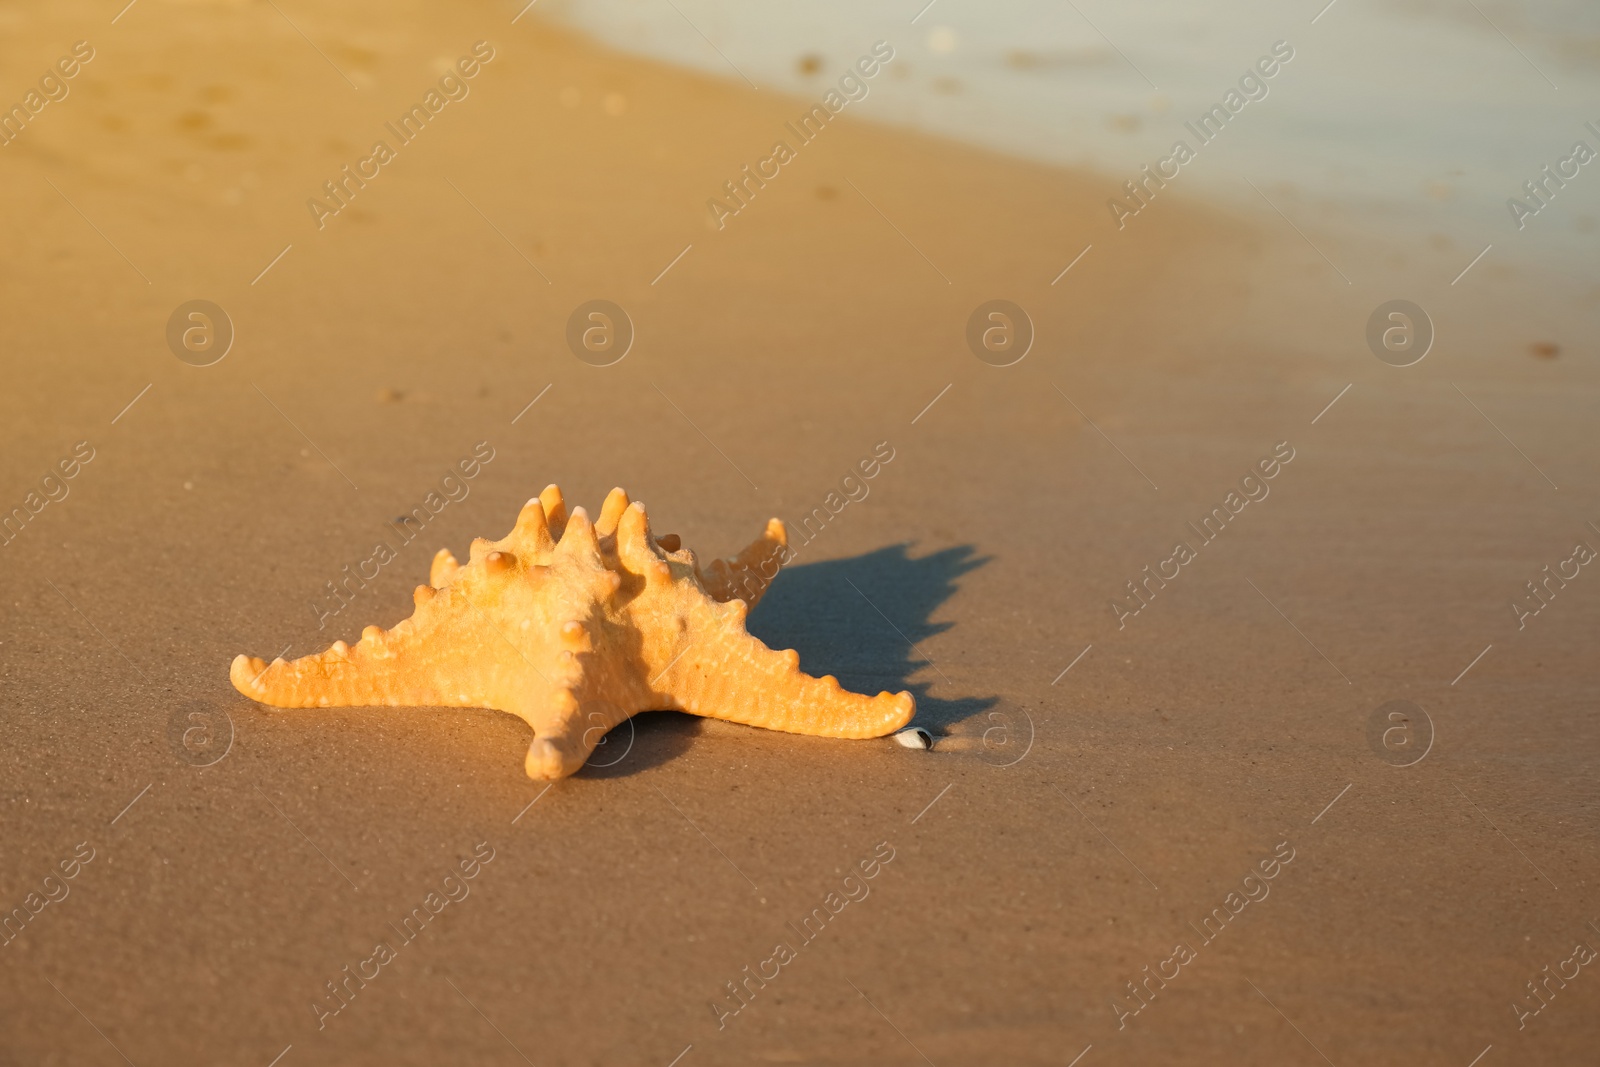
x: 914, y: 737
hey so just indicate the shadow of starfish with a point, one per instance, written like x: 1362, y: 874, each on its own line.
x: 856, y: 619
x: 864, y: 619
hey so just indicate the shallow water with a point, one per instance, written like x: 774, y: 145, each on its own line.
x: 1421, y: 117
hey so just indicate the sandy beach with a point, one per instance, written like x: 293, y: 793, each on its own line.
x: 1158, y: 823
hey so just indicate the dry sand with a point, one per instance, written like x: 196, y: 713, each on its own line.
x: 1067, y: 830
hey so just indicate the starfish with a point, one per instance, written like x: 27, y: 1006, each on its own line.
x: 574, y: 626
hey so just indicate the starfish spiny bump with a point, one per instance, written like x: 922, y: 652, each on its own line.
x: 574, y: 627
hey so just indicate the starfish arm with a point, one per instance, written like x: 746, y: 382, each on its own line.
x: 728, y: 674
x: 720, y: 671
x: 700, y: 659
x: 747, y: 575
x: 568, y: 725
x: 566, y: 730
x: 420, y: 662
x: 341, y: 677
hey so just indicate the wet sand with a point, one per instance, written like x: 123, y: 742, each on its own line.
x: 1067, y: 831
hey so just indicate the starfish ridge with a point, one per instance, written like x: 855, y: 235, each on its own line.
x: 574, y: 627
